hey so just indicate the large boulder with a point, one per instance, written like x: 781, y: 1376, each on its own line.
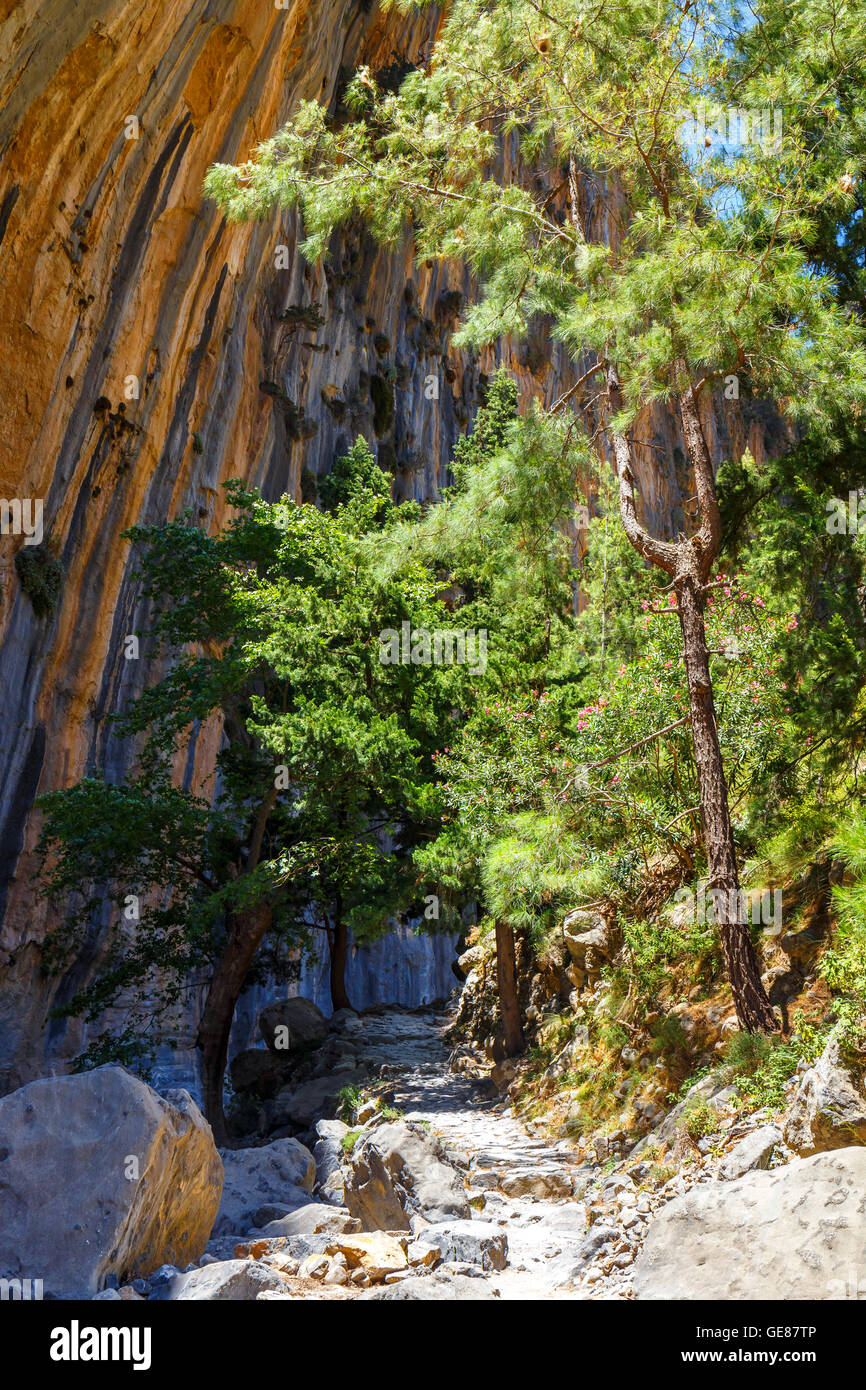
x: 100, y: 1176
x: 290, y: 1023
x: 256, y: 1072
x: 398, y: 1171
x: 371, y: 1194
x: 785, y: 1234
x: 470, y: 1242
x: 303, y: 1105
x: 828, y: 1109
x: 227, y: 1281
x: 329, y: 1155
x: 282, y: 1172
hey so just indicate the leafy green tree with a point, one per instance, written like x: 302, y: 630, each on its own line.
x: 504, y: 540
x: 555, y: 803
x: 323, y: 776
x: 708, y: 270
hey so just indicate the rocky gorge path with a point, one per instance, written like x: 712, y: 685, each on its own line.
x: 437, y: 1190
x: 532, y: 1189
x: 544, y: 1224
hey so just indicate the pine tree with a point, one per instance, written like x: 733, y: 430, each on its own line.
x: 666, y: 260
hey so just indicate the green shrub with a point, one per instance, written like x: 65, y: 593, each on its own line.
x: 844, y: 966
x: 760, y: 1066
x: 391, y: 1112
x: 41, y: 575
x: 700, y: 1118
x: 348, y: 1100
x: 661, y: 1173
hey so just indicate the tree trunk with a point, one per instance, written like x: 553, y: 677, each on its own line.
x: 690, y: 561
x: 338, y: 940
x: 246, y: 931
x: 753, y: 1007
x: 506, y: 983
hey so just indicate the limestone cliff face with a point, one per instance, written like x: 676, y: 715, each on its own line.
x: 150, y: 352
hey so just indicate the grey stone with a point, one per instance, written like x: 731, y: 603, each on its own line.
x: 468, y: 1242
x: 538, y: 1182
x: 755, y: 1151
x: 461, y: 1268
x: 792, y: 1233
x: 587, y: 937
x: 329, y: 1156
x: 565, y: 1268
x: 227, y: 1281
x: 616, y: 1186
x: 313, y: 1219
x: 271, y: 1211
x: 293, y: 1022
x: 828, y: 1109
x: 401, y: 1170
x: 282, y: 1172
x: 303, y: 1105
x: 259, y: 1073
x: 102, y: 1180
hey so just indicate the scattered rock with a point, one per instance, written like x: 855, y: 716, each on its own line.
x: 755, y: 1151
x: 432, y: 1288
x: 101, y: 1178
x: 425, y: 1256
x: 315, y: 1266
x: 375, y: 1252
x: 713, y: 1089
